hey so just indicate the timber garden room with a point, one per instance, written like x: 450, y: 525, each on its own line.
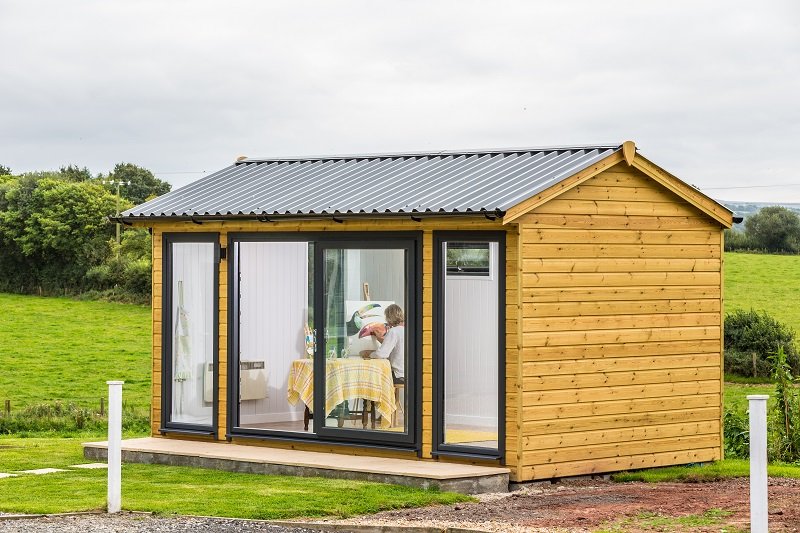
x: 546, y: 312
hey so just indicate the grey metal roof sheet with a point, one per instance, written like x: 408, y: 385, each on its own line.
x: 451, y: 182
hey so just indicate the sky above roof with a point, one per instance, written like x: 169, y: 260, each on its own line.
x: 708, y: 90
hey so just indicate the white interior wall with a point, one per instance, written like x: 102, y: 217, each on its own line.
x: 274, y: 310
x: 193, y: 266
x: 384, y: 270
x: 471, y: 329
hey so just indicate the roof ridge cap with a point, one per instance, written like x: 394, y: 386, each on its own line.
x: 434, y: 153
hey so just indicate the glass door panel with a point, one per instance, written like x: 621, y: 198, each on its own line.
x: 275, y: 341
x: 470, y: 298
x: 192, y: 329
x: 365, y: 348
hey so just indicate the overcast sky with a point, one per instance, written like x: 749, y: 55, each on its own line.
x: 708, y: 90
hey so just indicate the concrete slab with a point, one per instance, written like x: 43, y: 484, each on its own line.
x: 457, y: 477
x: 90, y: 466
x: 42, y: 471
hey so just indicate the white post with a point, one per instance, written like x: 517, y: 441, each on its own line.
x: 114, y: 446
x: 758, y: 463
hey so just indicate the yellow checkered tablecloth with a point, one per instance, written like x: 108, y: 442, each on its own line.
x: 346, y: 379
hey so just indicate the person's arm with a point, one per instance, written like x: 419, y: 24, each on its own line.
x: 389, y: 342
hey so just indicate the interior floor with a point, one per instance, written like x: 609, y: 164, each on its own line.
x: 463, y: 435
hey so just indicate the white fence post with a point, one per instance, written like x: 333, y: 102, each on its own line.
x: 114, y: 446
x: 758, y: 463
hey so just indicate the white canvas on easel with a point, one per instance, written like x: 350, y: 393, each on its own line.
x: 362, y: 313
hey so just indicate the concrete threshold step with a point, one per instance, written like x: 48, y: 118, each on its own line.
x: 464, y: 478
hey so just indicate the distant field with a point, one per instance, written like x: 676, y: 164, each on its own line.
x: 764, y: 282
x: 58, y: 349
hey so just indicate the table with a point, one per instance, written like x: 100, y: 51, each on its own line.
x: 346, y: 378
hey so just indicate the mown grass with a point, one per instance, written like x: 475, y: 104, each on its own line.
x: 650, y: 521
x: 729, y: 468
x: 64, y: 350
x: 764, y: 282
x: 188, y: 491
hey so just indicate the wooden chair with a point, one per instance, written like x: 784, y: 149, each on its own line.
x: 397, y: 403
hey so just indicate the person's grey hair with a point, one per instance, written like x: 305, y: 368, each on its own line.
x: 394, y: 315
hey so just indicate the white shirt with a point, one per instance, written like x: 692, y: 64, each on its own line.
x: 393, y: 348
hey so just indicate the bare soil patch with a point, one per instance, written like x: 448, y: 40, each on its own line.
x: 604, y: 505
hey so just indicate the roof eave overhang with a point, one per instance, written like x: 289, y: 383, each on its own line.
x: 495, y: 214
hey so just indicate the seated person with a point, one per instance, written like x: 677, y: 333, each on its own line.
x: 393, y: 342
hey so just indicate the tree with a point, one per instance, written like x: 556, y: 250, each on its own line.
x: 139, y: 184
x: 53, y: 230
x: 75, y: 173
x: 775, y: 229
x: 5, y: 171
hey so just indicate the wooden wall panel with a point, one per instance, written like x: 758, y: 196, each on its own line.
x: 620, y: 324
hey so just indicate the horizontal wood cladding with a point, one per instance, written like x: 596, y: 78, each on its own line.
x: 666, y: 251
x: 595, y: 264
x: 632, y: 222
x: 624, y: 435
x: 622, y: 364
x: 616, y: 407
x: 619, y: 279
x: 620, y: 392
x: 626, y: 420
x: 616, y: 464
x: 642, y: 307
x: 583, y: 294
x: 622, y: 449
x: 571, y: 323
x: 616, y: 336
x: 620, y: 324
x: 608, y: 350
x: 608, y: 236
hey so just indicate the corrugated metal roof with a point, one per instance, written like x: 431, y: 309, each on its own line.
x: 459, y: 182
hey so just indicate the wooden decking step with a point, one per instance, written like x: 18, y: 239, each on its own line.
x: 465, y: 478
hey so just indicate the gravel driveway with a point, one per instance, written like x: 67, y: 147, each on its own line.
x: 138, y: 523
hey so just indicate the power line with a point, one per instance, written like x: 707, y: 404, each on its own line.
x: 183, y: 172
x: 752, y: 186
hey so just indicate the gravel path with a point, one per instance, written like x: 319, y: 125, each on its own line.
x: 138, y: 523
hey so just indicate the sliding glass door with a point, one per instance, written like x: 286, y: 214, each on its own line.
x: 324, y: 336
x: 469, y: 343
x: 367, y: 356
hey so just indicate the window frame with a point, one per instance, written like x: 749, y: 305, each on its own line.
x: 439, y: 448
x: 167, y: 425
x: 322, y: 241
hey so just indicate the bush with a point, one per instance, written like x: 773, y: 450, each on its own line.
x: 737, y: 435
x: 785, y: 430
x: 736, y: 240
x: 751, y: 337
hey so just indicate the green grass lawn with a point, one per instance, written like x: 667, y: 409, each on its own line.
x: 190, y: 491
x: 59, y: 349
x: 706, y: 472
x: 764, y: 282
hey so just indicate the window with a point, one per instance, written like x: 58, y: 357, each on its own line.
x: 469, y: 259
x: 189, y: 381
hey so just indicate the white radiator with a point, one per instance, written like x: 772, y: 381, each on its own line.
x: 208, y: 383
x: 252, y: 380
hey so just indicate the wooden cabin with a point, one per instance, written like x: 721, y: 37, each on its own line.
x: 555, y: 310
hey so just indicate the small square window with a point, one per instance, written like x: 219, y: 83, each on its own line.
x: 468, y: 259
